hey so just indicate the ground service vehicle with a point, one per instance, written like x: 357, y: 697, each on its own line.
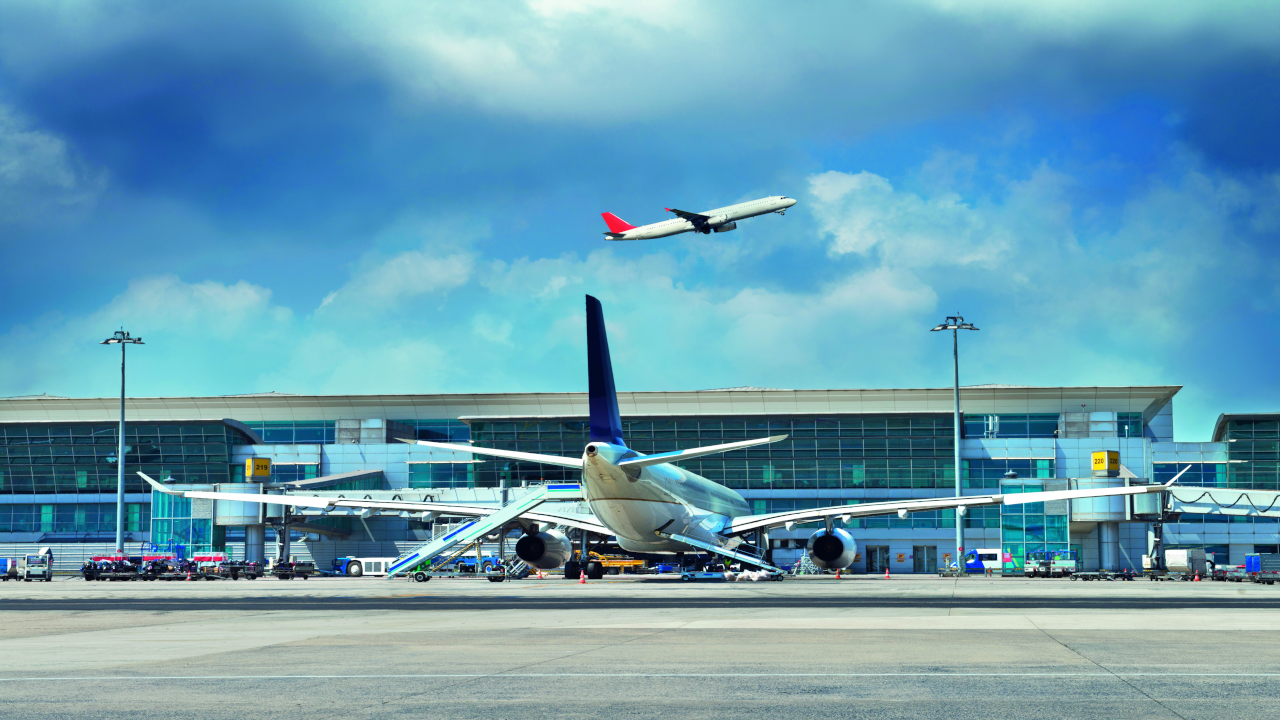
x: 289, y: 569
x: 1125, y: 574
x: 356, y: 567
x: 8, y: 569
x: 710, y: 572
x: 617, y: 564
x: 1188, y: 563
x: 36, y: 567
x: 490, y: 564
x: 984, y: 559
x: 1050, y: 563
x: 1262, y: 567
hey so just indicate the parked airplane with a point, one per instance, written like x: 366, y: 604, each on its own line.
x: 649, y: 504
x: 719, y: 220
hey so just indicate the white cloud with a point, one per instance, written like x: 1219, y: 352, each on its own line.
x: 407, y: 275
x: 38, y: 173
x: 863, y: 212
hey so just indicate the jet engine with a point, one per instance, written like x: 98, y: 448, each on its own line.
x: 831, y: 549
x: 727, y: 227
x: 547, y: 549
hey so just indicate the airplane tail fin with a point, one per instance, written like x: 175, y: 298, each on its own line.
x: 606, y: 424
x: 616, y: 224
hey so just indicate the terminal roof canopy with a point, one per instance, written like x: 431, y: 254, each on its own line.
x: 982, y: 399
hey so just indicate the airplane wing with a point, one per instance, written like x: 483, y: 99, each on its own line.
x: 694, y: 218
x: 748, y: 523
x: 575, y: 463
x: 539, y: 514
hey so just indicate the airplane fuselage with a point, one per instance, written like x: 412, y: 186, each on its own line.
x: 633, y: 503
x: 719, y: 219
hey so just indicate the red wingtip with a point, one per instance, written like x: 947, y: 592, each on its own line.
x: 615, y: 223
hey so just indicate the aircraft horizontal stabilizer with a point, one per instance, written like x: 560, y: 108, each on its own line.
x: 509, y: 454
x: 677, y: 455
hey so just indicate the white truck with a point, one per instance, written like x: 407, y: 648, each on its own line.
x: 1187, y: 564
x: 36, y: 567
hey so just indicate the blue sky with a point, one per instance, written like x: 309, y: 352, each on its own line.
x: 404, y: 197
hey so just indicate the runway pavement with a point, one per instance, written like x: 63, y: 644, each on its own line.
x: 908, y: 647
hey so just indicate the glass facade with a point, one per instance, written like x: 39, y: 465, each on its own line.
x: 823, y: 452
x: 81, y: 458
x: 987, y: 474
x: 186, y: 522
x: 1032, y: 425
x: 84, y: 521
x: 1204, y: 474
x: 1037, y: 425
x: 441, y: 475
x: 1028, y: 527
x: 1253, y: 454
x: 440, y: 430
x: 315, y: 432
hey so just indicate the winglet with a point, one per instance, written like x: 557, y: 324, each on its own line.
x: 158, y: 486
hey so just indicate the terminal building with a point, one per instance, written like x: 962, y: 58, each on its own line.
x: 58, y: 471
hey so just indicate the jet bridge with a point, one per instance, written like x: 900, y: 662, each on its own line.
x: 480, y: 527
x: 1224, y: 501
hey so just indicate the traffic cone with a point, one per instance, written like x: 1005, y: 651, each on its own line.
x: 837, y: 573
x: 1197, y: 577
x: 582, y: 577
x: 886, y: 573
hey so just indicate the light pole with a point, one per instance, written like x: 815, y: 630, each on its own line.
x: 121, y: 338
x: 955, y: 323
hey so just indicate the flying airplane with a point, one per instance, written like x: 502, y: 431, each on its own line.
x: 719, y: 220
x: 647, y: 502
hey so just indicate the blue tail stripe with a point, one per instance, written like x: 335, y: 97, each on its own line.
x: 606, y: 424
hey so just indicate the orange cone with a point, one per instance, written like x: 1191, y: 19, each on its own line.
x: 886, y: 573
x: 582, y: 577
x: 1197, y: 577
x: 837, y: 573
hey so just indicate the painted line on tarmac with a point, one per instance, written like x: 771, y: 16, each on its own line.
x: 446, y: 676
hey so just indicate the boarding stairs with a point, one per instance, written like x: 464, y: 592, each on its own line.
x: 474, y: 531
x: 742, y: 553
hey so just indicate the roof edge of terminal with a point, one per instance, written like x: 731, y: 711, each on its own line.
x: 1220, y: 427
x: 293, y: 396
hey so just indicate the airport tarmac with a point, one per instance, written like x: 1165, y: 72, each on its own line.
x: 919, y: 647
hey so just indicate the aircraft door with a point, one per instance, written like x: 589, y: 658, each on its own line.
x: 877, y: 558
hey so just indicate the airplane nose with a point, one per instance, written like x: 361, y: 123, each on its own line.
x: 790, y: 202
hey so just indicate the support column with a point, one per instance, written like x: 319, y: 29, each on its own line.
x: 1109, y: 545
x: 255, y: 540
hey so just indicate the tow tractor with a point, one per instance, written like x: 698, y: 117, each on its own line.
x: 1050, y: 563
x: 8, y: 569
